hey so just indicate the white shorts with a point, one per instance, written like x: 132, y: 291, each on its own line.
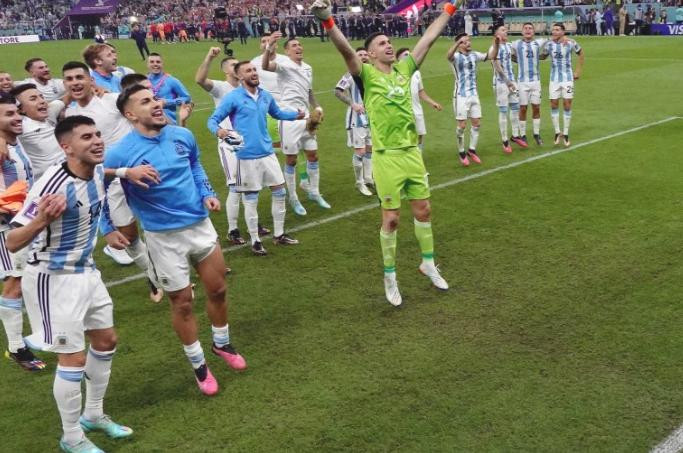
x: 420, y: 124
x: 61, y: 307
x: 504, y: 97
x: 119, y: 211
x: 466, y: 107
x: 294, y: 137
x: 228, y: 161
x: 171, y: 253
x: 255, y: 174
x: 529, y: 92
x: 11, y: 264
x: 358, y: 137
x: 564, y: 90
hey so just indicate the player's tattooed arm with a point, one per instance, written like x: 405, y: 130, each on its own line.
x: 312, y: 101
x: 202, y: 75
x: 267, y: 63
x: 454, y: 48
x: 493, y: 51
x: 579, y: 67
x: 342, y: 96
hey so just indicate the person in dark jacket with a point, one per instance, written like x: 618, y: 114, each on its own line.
x: 140, y: 37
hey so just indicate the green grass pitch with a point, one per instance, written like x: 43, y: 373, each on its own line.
x: 561, y: 331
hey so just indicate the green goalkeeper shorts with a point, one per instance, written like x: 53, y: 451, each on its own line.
x: 273, y: 129
x: 396, y: 171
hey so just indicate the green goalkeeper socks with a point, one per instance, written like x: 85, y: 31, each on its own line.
x: 423, y: 233
x: 388, y: 243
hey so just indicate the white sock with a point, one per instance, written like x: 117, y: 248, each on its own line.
x: 278, y: 210
x: 522, y: 128
x: 221, y: 335
x: 195, y: 354
x: 460, y: 134
x: 537, y: 126
x: 251, y: 215
x: 555, y: 116
x: 503, y: 124
x: 290, y: 180
x: 567, y: 119
x: 67, y: 392
x: 514, y: 120
x: 137, y: 250
x: 367, y: 167
x: 97, y: 372
x: 233, y: 208
x: 12, y: 321
x: 357, y: 162
x: 313, y: 169
x: 474, y: 137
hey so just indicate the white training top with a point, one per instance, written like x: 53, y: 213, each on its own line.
x: 267, y: 79
x: 415, y: 87
x: 112, y: 125
x: 219, y: 90
x: 39, y: 142
x: 296, y: 81
x: 53, y: 89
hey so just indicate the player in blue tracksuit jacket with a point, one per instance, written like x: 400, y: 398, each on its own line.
x: 256, y: 164
x: 166, y: 87
x: 174, y: 216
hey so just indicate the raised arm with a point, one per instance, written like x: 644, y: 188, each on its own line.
x: 202, y: 75
x: 267, y: 61
x: 323, y: 11
x: 434, y: 31
x: 493, y: 50
x: 454, y: 48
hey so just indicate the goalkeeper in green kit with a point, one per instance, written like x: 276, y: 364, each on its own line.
x: 397, y: 161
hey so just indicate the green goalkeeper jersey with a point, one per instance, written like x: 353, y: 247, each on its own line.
x: 389, y: 105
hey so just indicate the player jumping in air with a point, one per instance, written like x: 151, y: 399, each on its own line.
x: 397, y: 161
x: 562, y: 78
x: 466, y: 102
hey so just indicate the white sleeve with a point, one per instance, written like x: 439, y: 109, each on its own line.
x: 343, y: 83
x: 216, y: 90
x: 480, y: 56
x: 29, y: 211
x: 418, y: 79
x: 54, y: 108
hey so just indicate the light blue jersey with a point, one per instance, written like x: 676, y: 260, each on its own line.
x: 16, y: 167
x: 561, y: 59
x: 505, y: 58
x: 528, y: 54
x: 465, y: 68
x: 353, y: 119
x: 171, y: 91
x: 176, y: 202
x: 68, y: 242
x: 111, y: 83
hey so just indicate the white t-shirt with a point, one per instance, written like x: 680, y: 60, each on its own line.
x: 53, y: 89
x: 296, y: 80
x: 219, y: 90
x: 39, y: 142
x: 415, y: 87
x: 267, y: 79
x: 109, y: 121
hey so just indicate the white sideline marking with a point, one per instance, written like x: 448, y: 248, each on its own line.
x: 367, y: 207
x: 672, y: 444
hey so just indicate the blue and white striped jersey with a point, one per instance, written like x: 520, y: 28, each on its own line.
x: 505, y: 57
x: 528, y: 53
x: 17, y: 167
x: 353, y: 119
x: 465, y: 68
x: 66, y: 245
x: 561, y: 59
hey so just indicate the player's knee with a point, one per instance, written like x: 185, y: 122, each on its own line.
x: 106, y: 342
x: 216, y: 294
x: 182, y: 308
x: 514, y: 107
x: 502, y: 109
x: 312, y: 157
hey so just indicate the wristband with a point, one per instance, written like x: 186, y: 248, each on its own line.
x: 121, y: 172
x: 449, y: 8
x: 328, y: 23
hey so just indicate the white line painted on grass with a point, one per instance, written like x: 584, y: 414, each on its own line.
x: 672, y: 444
x: 367, y: 207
